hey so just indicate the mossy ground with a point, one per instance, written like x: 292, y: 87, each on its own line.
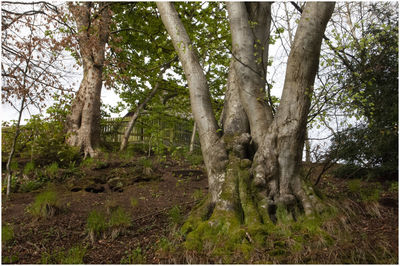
x: 330, y: 235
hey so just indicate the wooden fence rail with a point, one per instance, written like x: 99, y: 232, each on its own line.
x: 171, y: 132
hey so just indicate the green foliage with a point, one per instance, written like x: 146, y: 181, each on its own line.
x: 42, y: 139
x: 46, y: 204
x: 145, y: 162
x: 88, y: 162
x: 175, y: 215
x: 29, y: 168
x: 72, y: 256
x: 14, y: 185
x: 368, y: 192
x: 96, y: 224
x: 195, y: 159
x: 370, y: 93
x: 30, y: 185
x: 119, y: 218
x: 165, y: 245
x: 394, y: 187
x: 10, y: 259
x: 198, y: 194
x: 134, y: 202
x: 354, y: 185
x: 99, y: 224
x: 7, y: 233
x: 52, y: 169
x: 135, y: 256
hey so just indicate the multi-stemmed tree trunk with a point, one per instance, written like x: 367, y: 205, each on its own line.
x: 253, y: 162
x: 93, y: 29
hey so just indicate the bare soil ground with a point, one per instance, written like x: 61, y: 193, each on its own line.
x: 172, y: 183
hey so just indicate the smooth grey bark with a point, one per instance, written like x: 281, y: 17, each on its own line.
x: 250, y: 53
x: 279, y: 140
x: 83, y: 124
x: 192, y: 138
x: 214, y: 154
x: 234, y: 117
x: 286, y: 135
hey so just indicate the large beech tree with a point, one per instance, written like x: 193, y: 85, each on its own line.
x: 253, y: 158
x: 93, y: 29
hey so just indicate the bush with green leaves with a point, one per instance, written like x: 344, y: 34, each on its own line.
x: 52, y: 170
x: 29, y: 168
x: 30, y: 185
x: 370, y: 93
x: 42, y: 139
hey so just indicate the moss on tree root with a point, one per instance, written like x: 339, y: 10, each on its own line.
x: 235, y: 234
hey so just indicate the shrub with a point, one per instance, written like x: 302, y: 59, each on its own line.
x: 14, y: 186
x: 30, y: 185
x: 195, y: 159
x: 42, y: 139
x: 52, y: 169
x: 46, y: 205
x: 29, y: 168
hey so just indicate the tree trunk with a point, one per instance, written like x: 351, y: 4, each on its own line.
x: 11, y: 155
x: 135, y: 116
x: 253, y: 166
x: 308, y: 148
x: 193, y: 137
x: 83, y: 124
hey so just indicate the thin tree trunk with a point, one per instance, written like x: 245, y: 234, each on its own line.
x: 213, y: 150
x: 192, y: 139
x: 308, y: 148
x: 11, y: 155
x: 134, y: 117
x: 141, y: 106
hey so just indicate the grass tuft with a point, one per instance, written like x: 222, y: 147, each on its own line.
x: 134, y: 257
x: 46, y: 205
x: 175, y: 215
x: 7, y: 233
x: 96, y: 225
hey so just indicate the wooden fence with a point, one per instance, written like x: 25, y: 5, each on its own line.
x: 171, y: 131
